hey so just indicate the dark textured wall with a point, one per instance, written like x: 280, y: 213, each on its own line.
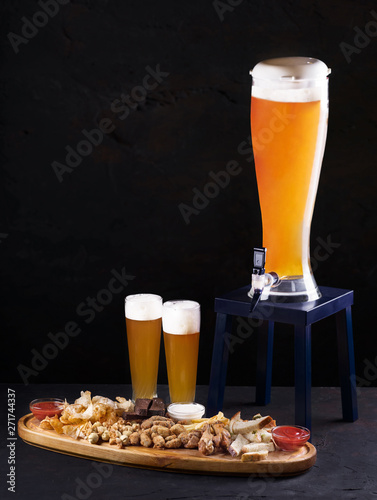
x: 66, y: 231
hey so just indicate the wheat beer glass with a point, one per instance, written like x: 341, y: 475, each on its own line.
x: 143, y: 324
x: 289, y: 111
x: 181, y: 326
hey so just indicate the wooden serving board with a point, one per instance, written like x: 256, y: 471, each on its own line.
x: 279, y: 463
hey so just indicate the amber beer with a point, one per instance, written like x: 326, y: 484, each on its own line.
x: 143, y: 324
x: 289, y: 109
x: 181, y: 326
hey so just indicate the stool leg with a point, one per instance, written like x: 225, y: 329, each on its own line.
x: 219, y: 364
x: 303, y: 383
x: 264, y: 363
x: 346, y: 363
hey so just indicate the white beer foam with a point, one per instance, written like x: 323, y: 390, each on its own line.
x: 290, y: 79
x: 143, y: 307
x: 181, y: 317
x: 291, y: 69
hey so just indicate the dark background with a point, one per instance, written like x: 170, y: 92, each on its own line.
x: 119, y: 208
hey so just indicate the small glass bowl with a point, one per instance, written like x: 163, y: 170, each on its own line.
x: 186, y: 411
x: 290, y: 437
x: 46, y: 407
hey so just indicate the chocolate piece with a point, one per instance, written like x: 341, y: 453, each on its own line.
x: 157, y: 407
x: 141, y: 406
x: 145, y: 408
x: 133, y: 416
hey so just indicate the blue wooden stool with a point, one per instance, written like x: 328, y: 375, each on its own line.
x: 302, y: 315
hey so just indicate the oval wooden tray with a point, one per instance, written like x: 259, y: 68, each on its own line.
x: 279, y: 463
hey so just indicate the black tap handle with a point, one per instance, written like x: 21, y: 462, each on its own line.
x: 259, y: 260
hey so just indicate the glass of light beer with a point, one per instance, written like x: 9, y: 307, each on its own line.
x: 143, y: 323
x: 289, y: 112
x: 181, y: 326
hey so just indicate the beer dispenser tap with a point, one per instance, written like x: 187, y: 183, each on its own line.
x: 261, y: 282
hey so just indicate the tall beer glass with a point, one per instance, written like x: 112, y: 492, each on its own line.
x: 289, y: 112
x: 181, y: 326
x: 143, y: 323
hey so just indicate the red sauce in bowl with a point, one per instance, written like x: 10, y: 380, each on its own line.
x: 47, y: 407
x: 290, y: 437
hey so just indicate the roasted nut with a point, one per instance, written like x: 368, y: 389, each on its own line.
x: 125, y: 439
x: 93, y: 438
x: 147, y: 424
x: 112, y: 436
x: 169, y: 438
x: 164, y: 423
x: 184, y: 437
x: 177, y: 429
x: 173, y: 443
x: 156, y: 419
x: 145, y: 439
x: 160, y: 430
x: 158, y: 442
x: 134, y: 438
x: 105, y: 436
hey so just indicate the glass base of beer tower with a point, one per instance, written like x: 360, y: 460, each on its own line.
x: 290, y: 289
